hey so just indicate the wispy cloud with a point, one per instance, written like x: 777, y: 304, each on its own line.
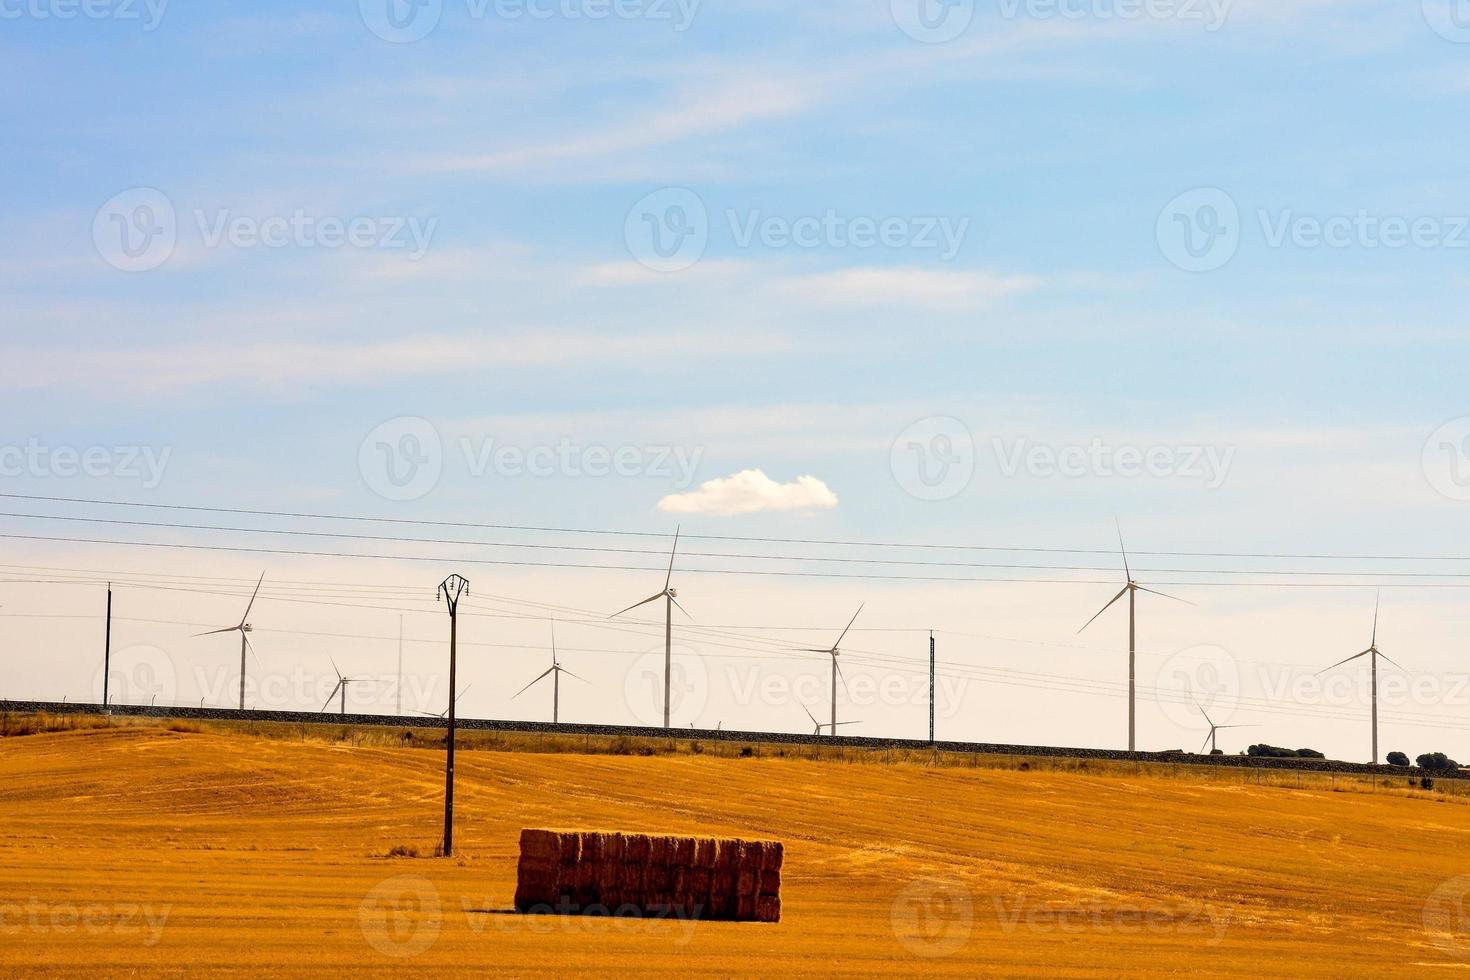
x: 934, y: 289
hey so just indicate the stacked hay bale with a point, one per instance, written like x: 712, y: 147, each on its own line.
x: 579, y: 871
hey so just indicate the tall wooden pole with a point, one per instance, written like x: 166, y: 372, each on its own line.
x: 931, y: 687
x: 451, y: 589
x: 107, y: 654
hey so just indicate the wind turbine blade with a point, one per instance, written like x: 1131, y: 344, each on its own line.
x: 1392, y: 661
x: 251, y: 647
x: 672, y: 552
x: 1121, y: 593
x: 681, y: 608
x: 1126, y: 570
x: 553, y: 641
x: 227, y: 629
x: 528, y: 686
x: 1205, y: 742
x: 331, y: 696
x: 827, y: 651
x: 251, y: 603
x: 1223, y: 727
x: 652, y: 598
x: 849, y: 626
x: 809, y: 715
x: 1377, y: 600
x: 842, y: 677
x: 1165, y: 595
x: 1204, y: 712
x: 570, y: 674
x: 463, y: 693
x: 335, y: 669
x: 1341, y: 662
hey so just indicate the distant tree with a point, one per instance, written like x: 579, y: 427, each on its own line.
x: 1277, y: 752
x: 1398, y: 759
x: 1437, y: 762
x: 1309, y: 754
x: 1217, y: 751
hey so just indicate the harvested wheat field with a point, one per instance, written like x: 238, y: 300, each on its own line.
x: 137, y: 850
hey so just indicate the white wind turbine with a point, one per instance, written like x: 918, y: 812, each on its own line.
x: 833, y: 652
x: 1210, y: 738
x: 817, y: 726
x: 342, y: 683
x: 1131, y: 590
x: 555, y: 670
x: 244, y: 630
x: 1372, y: 653
x: 430, y: 714
x: 670, y: 597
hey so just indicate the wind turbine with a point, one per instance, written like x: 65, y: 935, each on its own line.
x: 1131, y: 590
x: 818, y: 726
x: 1373, y: 653
x: 670, y: 597
x: 244, y: 629
x: 342, y: 683
x: 555, y: 670
x: 833, y: 651
x: 430, y: 714
x: 1210, y: 738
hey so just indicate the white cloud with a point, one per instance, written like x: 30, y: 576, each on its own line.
x: 751, y: 492
x: 943, y: 289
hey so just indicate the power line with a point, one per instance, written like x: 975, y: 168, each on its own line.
x: 297, y: 515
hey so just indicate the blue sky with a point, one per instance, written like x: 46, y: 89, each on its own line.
x: 1052, y: 147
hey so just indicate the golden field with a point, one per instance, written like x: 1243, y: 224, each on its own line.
x: 136, y: 851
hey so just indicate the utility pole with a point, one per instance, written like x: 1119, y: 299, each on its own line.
x: 1132, y: 657
x: 398, y: 707
x: 931, y: 687
x: 451, y: 589
x: 107, y: 656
